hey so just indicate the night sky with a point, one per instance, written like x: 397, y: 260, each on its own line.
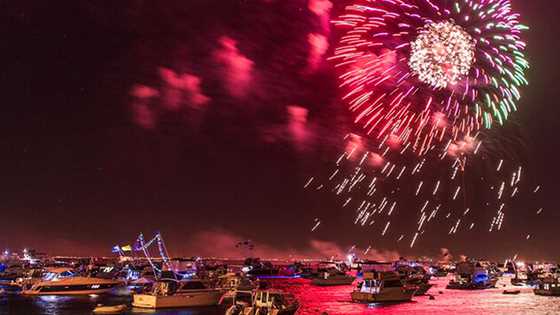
x: 91, y: 158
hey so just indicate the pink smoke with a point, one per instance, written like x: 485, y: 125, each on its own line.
x: 354, y: 146
x: 181, y: 89
x: 224, y: 245
x: 394, y: 142
x: 462, y: 147
x: 322, y: 9
x: 318, y: 45
x: 143, y: 113
x: 237, y: 69
x: 297, y: 125
x: 376, y: 160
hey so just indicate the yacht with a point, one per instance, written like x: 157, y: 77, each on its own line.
x: 230, y: 283
x: 379, y: 287
x: 170, y: 293
x: 415, y: 275
x: 265, y: 302
x: 63, y: 282
x: 548, y: 287
x: 472, y: 276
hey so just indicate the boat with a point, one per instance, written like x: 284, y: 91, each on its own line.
x: 332, y: 279
x: 263, y: 302
x: 73, y: 286
x: 381, y: 287
x: 548, y: 287
x: 415, y: 275
x: 115, y: 309
x: 472, y: 276
x: 230, y: 283
x: 62, y: 281
x: 254, y: 267
x: 171, y: 293
x: 511, y: 292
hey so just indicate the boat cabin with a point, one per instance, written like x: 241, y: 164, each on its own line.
x: 374, y: 282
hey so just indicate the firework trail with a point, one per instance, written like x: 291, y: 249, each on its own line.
x: 456, y: 190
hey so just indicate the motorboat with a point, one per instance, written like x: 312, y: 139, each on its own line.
x: 415, y: 275
x: 263, y: 302
x: 230, y: 283
x: 63, y: 282
x: 511, y: 292
x: 73, y: 286
x: 524, y: 274
x: 380, y: 287
x: 548, y: 287
x: 332, y: 279
x: 254, y: 267
x: 472, y: 276
x: 170, y: 293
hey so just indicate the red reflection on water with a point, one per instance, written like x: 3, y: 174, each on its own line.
x: 336, y: 300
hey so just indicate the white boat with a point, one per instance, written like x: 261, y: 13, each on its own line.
x: 381, y: 287
x: 73, y: 286
x: 173, y: 294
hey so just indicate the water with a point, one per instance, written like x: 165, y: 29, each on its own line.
x: 316, y: 300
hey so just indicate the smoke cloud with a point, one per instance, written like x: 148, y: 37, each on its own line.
x: 237, y: 70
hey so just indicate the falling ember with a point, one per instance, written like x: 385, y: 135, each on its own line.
x: 419, y: 187
x: 317, y: 223
x: 436, y: 188
x: 386, y: 227
x: 500, y: 166
x: 414, y: 240
x: 308, y: 182
x: 456, y: 192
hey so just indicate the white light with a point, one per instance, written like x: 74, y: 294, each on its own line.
x: 442, y: 54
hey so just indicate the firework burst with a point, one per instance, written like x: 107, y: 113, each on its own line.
x: 430, y: 71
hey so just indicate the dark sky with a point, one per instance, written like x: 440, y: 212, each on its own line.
x: 80, y: 174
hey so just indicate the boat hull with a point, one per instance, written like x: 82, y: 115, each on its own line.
x: 332, y: 282
x: 250, y: 310
x: 385, y: 296
x: 544, y: 292
x: 62, y: 292
x: 117, y: 309
x: 73, y: 286
x: 190, y: 299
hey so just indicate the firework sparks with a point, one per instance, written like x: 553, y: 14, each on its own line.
x: 442, y: 54
x: 422, y: 72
